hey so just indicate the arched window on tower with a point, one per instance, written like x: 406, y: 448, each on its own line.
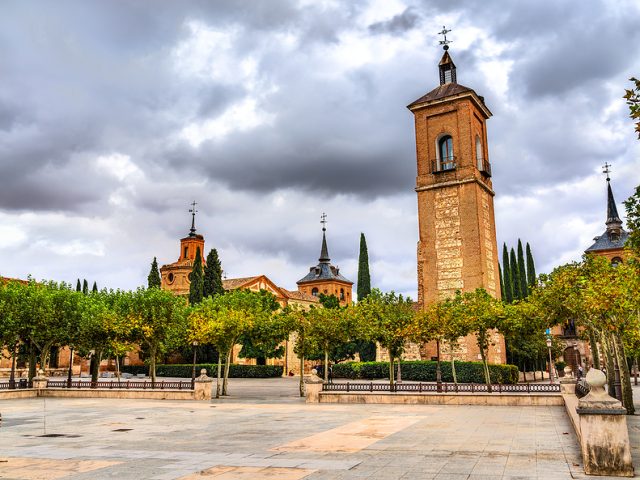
x: 479, y: 156
x: 615, y: 261
x: 342, y: 294
x: 446, y: 158
x: 314, y: 292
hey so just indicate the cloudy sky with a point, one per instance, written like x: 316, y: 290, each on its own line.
x: 114, y: 116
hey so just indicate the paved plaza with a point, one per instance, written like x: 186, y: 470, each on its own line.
x: 265, y: 431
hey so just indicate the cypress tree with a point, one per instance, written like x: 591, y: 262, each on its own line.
x: 94, y: 289
x: 78, y: 286
x: 153, y: 279
x: 85, y: 287
x: 197, y: 281
x: 508, y: 286
x: 501, y: 283
x: 531, y: 268
x: 212, y: 275
x: 524, y: 289
x: 364, y: 279
x: 515, y: 275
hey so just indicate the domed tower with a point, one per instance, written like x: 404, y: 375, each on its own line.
x: 176, y: 276
x: 325, y: 278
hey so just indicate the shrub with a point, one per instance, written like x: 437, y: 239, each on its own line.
x: 184, y: 371
x: 425, y: 371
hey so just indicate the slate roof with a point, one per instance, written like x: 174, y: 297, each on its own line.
x: 324, y: 270
x: 442, y: 91
x: 607, y: 241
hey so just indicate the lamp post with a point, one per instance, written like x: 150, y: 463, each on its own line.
x: 193, y: 370
x: 575, y: 359
x: 70, y: 372
x: 550, y: 360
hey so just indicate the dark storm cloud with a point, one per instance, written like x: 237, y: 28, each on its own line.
x: 397, y: 25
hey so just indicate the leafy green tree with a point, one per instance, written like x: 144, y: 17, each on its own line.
x: 196, y: 288
x: 506, y: 274
x: 531, y: 268
x: 85, y: 287
x: 299, y: 324
x: 153, y: 279
x: 157, y: 319
x: 213, y: 275
x: 78, y: 286
x: 522, y: 272
x: 10, y: 328
x: 267, y: 334
x: 515, y: 275
x: 364, y: 278
x: 632, y: 95
x: 502, y: 295
x: 632, y: 207
x: 94, y: 289
x: 387, y: 318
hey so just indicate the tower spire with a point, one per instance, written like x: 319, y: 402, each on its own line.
x: 193, y: 211
x: 446, y: 66
x: 324, y: 251
x: 614, y: 223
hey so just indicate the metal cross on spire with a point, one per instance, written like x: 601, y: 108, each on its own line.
x: 444, y: 42
x: 193, y: 212
x: 323, y: 221
x: 606, y: 168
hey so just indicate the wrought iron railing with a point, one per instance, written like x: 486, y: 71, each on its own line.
x: 442, y: 387
x: 582, y: 388
x: 484, y: 166
x: 20, y: 383
x: 128, y: 384
x: 447, y: 164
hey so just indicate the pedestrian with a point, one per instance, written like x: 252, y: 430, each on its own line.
x: 330, y: 374
x: 580, y: 372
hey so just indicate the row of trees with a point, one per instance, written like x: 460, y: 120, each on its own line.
x: 516, y: 276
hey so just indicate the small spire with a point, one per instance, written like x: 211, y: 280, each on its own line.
x: 614, y: 224
x: 324, y: 252
x: 446, y: 66
x: 193, y: 211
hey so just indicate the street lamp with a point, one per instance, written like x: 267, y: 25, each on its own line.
x: 70, y: 372
x: 193, y: 370
x: 550, y: 360
x: 575, y: 359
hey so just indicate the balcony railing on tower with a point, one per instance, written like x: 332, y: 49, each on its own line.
x: 484, y: 166
x: 445, y: 164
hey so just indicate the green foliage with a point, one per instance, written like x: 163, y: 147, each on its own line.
x: 507, y: 294
x: 85, y: 287
x: 329, y: 301
x: 212, y: 275
x: 78, y: 286
x: 632, y: 206
x: 153, y: 279
x: 522, y: 272
x: 94, y: 289
x: 364, y: 278
x: 632, y: 96
x: 531, y: 268
x: 515, y: 275
x: 184, y: 371
x: 196, y: 288
x: 425, y: 371
x: 502, y: 293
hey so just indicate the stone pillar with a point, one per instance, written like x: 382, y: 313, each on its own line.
x: 603, y: 430
x: 202, y: 386
x: 312, y: 387
x: 568, y: 386
x: 40, y: 381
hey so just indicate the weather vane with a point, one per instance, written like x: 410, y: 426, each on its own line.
x: 193, y: 212
x: 445, y: 43
x: 323, y: 221
x: 606, y: 168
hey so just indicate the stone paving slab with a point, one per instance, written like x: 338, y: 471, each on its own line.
x: 279, y: 436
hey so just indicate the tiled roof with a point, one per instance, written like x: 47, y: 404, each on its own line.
x: 233, y: 283
x: 296, y: 295
x: 323, y: 271
x: 9, y: 279
x: 606, y: 241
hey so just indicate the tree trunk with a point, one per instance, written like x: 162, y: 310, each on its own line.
x: 32, y: 360
x: 218, y: 377
x: 152, y: 364
x: 438, y: 367
x: 608, y: 361
x: 391, y: 373
x: 12, y: 376
x: 226, y: 373
x: 627, y: 392
x: 117, y: 367
x: 326, y: 365
x: 594, y: 350
x: 302, y: 375
x: 453, y: 367
x: 487, y: 377
x: 95, y: 365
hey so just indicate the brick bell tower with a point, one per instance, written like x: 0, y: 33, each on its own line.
x: 457, y: 248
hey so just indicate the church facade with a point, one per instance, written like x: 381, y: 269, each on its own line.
x: 457, y: 247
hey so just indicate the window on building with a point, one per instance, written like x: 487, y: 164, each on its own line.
x: 615, y: 261
x: 445, y: 153
x: 314, y: 292
x: 479, y: 155
x: 186, y: 250
x: 170, y: 278
x: 342, y: 294
x: 448, y: 77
